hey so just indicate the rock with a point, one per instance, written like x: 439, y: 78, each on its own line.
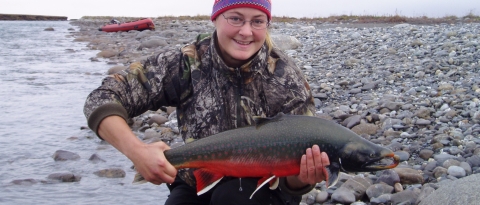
x: 425, y: 154
x: 456, y: 171
x: 153, y: 43
x: 24, y: 182
x: 459, y: 192
x: 111, y: 173
x: 376, y: 190
x: 64, y: 177
x: 159, y: 119
x: 365, y: 128
x: 426, y: 191
x: 352, y: 190
x: 409, y: 176
x: 62, y: 155
x: 96, y: 159
x: 285, y: 42
x: 321, y: 197
x: 405, y: 197
x: 49, y: 29
x: 106, y: 54
x: 389, y: 177
x: 116, y: 69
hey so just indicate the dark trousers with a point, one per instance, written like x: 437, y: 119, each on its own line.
x: 229, y: 191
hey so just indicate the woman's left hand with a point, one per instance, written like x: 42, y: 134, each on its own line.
x: 312, y: 168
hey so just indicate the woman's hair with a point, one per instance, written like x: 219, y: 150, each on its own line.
x: 269, y: 42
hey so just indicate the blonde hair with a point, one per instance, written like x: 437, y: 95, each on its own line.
x: 269, y: 42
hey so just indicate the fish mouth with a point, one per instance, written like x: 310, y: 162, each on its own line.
x: 387, y: 162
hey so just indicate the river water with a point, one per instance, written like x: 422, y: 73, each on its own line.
x: 44, y: 79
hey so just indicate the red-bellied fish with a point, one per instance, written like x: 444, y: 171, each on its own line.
x: 273, y: 148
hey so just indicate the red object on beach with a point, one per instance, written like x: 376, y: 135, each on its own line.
x: 139, y: 25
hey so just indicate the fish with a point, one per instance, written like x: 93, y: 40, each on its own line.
x: 273, y: 147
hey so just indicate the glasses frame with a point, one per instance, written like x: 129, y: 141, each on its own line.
x: 244, y: 22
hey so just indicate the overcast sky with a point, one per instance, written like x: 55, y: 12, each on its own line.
x: 293, y: 8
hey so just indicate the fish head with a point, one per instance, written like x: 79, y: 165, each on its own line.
x: 364, y: 156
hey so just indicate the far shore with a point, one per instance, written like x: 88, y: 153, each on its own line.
x: 353, y: 19
x: 26, y: 17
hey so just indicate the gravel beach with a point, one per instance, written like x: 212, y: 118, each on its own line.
x: 412, y: 88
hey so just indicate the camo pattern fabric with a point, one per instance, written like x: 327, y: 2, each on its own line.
x: 210, y: 97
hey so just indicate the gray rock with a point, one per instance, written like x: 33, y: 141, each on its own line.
x: 456, y: 171
x: 389, y: 177
x: 285, y: 42
x: 62, y: 155
x: 459, y: 192
x: 64, y: 177
x: 377, y: 190
x: 409, y: 176
x: 111, y: 173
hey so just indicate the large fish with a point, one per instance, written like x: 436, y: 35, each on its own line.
x: 273, y: 148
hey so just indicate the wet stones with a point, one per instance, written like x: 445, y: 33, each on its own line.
x: 62, y: 155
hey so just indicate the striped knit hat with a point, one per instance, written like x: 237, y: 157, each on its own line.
x: 221, y: 6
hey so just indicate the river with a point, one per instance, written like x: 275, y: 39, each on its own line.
x: 44, y: 79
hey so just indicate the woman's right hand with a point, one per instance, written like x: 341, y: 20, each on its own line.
x: 148, y: 159
x: 151, y: 163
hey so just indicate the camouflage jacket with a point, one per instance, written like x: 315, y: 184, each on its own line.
x: 210, y: 96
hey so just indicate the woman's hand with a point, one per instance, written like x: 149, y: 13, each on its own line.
x: 148, y: 159
x: 312, y: 169
x: 151, y: 163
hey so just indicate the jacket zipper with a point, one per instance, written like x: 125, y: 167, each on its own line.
x: 239, y: 96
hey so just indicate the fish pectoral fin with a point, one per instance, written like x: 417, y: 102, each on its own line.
x: 206, y: 180
x: 332, y: 175
x: 264, y: 181
x: 274, y: 183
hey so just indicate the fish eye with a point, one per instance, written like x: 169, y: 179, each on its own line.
x: 372, y: 155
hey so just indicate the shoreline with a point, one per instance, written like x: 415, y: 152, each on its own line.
x: 26, y: 17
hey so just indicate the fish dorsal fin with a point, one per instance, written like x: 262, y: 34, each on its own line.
x: 206, y: 180
x: 332, y: 172
x: 262, y: 182
x: 260, y: 121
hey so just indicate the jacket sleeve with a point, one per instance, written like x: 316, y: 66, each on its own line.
x: 135, y: 90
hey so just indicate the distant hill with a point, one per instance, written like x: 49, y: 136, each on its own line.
x: 24, y: 17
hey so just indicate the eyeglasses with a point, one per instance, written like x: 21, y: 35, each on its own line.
x: 239, y: 22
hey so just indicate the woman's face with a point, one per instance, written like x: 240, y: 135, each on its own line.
x: 238, y: 44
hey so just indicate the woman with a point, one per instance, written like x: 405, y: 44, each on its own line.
x: 219, y: 82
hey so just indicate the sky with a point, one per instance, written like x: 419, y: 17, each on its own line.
x: 75, y: 9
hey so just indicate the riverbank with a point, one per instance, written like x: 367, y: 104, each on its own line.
x: 411, y: 87
x: 25, y: 17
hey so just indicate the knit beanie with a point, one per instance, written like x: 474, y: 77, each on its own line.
x: 221, y: 6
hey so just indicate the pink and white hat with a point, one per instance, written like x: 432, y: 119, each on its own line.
x: 221, y: 6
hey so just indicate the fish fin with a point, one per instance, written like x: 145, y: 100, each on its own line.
x: 138, y: 179
x: 206, y: 180
x: 260, y: 121
x: 332, y: 175
x: 274, y: 183
x: 262, y: 182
